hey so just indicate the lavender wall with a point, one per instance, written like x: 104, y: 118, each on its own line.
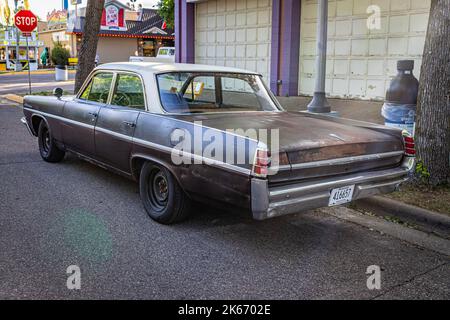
x: 275, y: 47
x: 285, y: 47
x: 184, y: 31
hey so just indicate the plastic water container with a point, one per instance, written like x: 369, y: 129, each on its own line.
x: 400, y: 116
x: 399, y: 109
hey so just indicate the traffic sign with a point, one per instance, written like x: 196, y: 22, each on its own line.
x: 25, y: 21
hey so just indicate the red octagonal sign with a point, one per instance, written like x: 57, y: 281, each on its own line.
x: 25, y: 21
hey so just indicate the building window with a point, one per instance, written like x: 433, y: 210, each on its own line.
x: 148, y: 48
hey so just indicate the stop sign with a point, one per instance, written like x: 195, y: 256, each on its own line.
x: 25, y: 21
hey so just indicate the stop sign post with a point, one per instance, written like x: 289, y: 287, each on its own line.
x: 25, y: 21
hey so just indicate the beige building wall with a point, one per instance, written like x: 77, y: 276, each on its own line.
x: 113, y: 49
x: 234, y: 33
x: 360, y: 61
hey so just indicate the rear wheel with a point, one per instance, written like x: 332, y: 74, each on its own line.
x: 163, y: 198
x: 47, y: 146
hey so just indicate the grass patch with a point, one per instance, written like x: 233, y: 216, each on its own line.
x: 46, y: 93
x: 432, y: 198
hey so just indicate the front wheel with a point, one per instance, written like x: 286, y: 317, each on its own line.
x: 47, y: 146
x: 163, y: 198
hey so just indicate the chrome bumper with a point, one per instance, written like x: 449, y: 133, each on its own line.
x: 25, y: 123
x: 277, y: 201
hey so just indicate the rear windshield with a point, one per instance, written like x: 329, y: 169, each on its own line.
x: 213, y: 92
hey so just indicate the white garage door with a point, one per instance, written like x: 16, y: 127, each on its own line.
x: 360, y: 61
x: 234, y: 33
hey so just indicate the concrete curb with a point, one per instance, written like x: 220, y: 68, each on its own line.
x: 430, y: 220
x: 13, y: 98
x: 413, y: 236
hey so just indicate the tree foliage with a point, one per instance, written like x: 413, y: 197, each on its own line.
x: 60, y: 55
x: 166, y: 9
x: 88, y: 50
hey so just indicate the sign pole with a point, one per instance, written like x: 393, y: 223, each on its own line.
x: 26, y: 21
x: 29, y: 66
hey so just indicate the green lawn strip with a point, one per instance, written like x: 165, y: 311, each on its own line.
x: 45, y: 93
x: 435, y: 199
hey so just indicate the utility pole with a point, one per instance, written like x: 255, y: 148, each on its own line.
x: 320, y: 104
x: 18, y: 66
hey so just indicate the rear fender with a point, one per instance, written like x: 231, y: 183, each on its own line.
x: 135, y: 168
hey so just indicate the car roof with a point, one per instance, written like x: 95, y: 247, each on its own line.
x: 163, y: 67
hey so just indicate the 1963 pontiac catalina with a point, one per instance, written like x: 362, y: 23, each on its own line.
x: 218, y: 135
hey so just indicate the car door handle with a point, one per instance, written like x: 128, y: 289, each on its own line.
x: 129, y: 123
x: 93, y: 115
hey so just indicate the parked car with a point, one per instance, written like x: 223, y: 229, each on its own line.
x: 132, y: 118
x: 165, y: 54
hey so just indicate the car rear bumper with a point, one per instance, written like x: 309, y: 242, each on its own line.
x: 269, y: 202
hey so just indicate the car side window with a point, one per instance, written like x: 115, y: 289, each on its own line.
x: 129, y: 92
x: 98, y: 88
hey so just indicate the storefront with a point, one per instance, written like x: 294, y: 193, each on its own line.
x: 124, y: 32
x: 9, y: 54
x: 150, y: 47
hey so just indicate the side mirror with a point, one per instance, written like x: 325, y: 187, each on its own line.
x: 58, y: 92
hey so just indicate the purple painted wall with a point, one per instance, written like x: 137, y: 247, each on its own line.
x: 184, y: 31
x: 177, y: 31
x: 285, y: 47
x: 275, y: 47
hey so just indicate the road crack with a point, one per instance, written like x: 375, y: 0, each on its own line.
x: 414, y: 277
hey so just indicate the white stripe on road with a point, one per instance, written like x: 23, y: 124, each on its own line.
x: 3, y: 87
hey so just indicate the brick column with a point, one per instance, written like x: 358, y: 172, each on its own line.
x: 184, y: 31
x: 285, y: 48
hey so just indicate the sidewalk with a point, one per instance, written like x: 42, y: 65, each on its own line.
x: 363, y: 110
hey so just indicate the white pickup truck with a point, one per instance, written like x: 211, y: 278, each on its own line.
x: 165, y: 54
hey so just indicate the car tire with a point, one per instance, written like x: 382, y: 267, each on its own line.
x: 162, y: 196
x: 47, y: 146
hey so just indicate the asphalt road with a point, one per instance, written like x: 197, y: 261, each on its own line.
x: 53, y: 216
x: 18, y: 83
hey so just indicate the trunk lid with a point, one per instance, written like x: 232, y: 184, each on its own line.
x: 305, y: 138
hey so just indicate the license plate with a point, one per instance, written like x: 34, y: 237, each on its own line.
x: 341, y: 195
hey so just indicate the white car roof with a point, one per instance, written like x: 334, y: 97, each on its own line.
x: 162, y: 67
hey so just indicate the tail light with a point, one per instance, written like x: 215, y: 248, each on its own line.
x: 410, y: 146
x: 261, y: 163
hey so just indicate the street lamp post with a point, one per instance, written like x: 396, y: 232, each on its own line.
x: 320, y: 104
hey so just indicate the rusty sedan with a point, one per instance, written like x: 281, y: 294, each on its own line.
x: 189, y: 132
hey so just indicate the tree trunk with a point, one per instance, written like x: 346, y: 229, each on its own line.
x: 88, y: 50
x: 433, y: 109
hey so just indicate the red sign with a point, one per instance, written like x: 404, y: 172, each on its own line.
x: 25, y: 21
x: 113, y: 18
